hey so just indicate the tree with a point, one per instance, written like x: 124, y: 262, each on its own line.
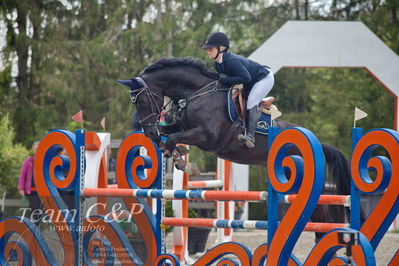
x: 11, y: 158
x: 69, y: 54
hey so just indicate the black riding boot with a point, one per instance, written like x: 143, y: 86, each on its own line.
x: 252, y: 121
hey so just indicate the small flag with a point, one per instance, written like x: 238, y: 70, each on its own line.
x: 78, y: 117
x: 103, y: 123
x: 359, y: 114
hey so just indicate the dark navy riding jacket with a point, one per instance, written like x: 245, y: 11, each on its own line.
x: 239, y: 69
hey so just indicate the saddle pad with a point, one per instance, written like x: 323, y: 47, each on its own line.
x: 264, y: 121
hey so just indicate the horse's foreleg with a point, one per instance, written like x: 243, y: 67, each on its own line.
x: 164, y: 149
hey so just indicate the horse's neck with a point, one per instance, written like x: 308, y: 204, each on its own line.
x: 177, y: 93
x: 182, y: 88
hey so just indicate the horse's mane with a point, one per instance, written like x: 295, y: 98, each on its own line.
x: 180, y: 61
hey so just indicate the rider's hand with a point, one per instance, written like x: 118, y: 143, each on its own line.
x: 222, y: 78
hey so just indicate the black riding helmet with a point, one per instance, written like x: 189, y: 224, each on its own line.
x: 217, y: 39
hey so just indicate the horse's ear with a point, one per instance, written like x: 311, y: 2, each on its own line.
x: 135, y: 84
x: 131, y: 83
x: 126, y: 82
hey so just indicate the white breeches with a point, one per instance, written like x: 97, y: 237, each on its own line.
x: 260, y: 90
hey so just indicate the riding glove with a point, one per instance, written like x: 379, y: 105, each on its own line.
x: 222, y: 78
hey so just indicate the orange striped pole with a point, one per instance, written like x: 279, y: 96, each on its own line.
x: 262, y: 225
x: 324, y: 199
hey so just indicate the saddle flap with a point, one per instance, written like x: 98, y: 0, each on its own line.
x: 233, y: 105
x: 239, y: 102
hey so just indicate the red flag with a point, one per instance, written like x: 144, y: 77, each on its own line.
x: 103, y: 123
x: 78, y: 117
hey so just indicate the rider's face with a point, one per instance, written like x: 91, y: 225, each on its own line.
x: 212, y: 52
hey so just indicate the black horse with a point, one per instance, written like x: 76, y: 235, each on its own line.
x: 200, y: 110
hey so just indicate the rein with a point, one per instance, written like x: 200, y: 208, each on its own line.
x: 151, y: 97
x: 199, y: 93
x: 183, y: 102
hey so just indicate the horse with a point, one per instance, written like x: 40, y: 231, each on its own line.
x: 200, y: 110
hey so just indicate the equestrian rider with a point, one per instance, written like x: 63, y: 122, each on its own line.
x: 235, y: 69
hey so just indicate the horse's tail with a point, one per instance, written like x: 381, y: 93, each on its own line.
x: 338, y: 175
x: 338, y: 179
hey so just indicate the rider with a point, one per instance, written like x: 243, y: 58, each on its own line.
x: 235, y: 69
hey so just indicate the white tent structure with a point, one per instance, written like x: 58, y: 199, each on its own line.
x: 332, y: 44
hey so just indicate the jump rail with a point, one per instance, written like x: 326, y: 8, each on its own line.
x: 205, y: 184
x: 344, y: 200
x: 207, y: 195
x: 248, y: 224
x: 86, y: 165
x: 178, y: 194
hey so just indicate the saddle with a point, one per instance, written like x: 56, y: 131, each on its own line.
x: 236, y: 104
x: 239, y: 102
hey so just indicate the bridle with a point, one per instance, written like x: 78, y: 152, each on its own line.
x: 135, y: 94
x: 152, y: 96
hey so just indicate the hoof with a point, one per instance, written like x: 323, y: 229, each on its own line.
x: 164, y: 150
x: 192, y: 169
x: 181, y: 165
x: 179, y: 161
x: 166, y: 153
